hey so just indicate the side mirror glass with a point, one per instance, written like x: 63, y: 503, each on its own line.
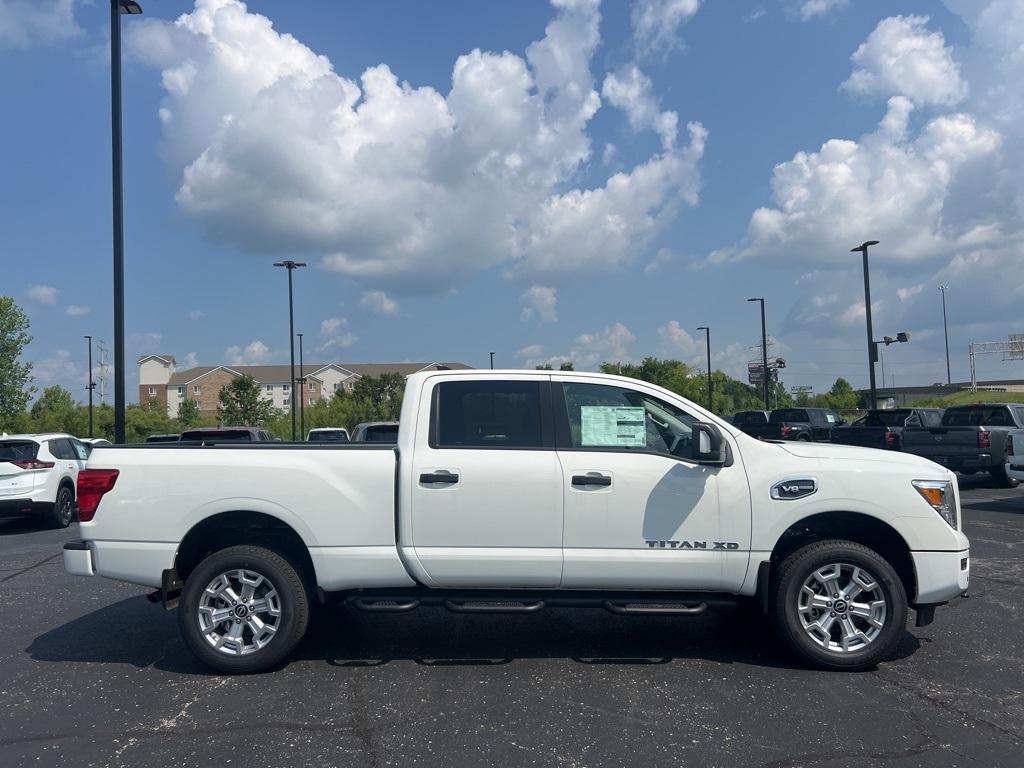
x: 708, y: 445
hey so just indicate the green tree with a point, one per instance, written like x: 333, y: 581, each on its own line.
x: 242, y: 404
x: 55, y: 411
x: 188, y: 413
x: 842, y: 397
x: 382, y: 393
x: 15, y: 377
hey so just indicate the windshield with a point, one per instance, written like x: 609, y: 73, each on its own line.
x: 789, y: 414
x: 978, y: 416
x: 384, y: 433
x: 886, y: 418
x: 220, y: 435
x: 18, y: 450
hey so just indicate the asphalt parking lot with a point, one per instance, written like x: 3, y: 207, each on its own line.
x: 91, y: 674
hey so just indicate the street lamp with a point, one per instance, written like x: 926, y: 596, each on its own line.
x: 291, y: 266
x: 131, y: 8
x: 707, y: 343
x: 492, y: 361
x: 302, y: 391
x: 945, y: 331
x: 764, y: 354
x: 872, y: 349
x: 91, y: 386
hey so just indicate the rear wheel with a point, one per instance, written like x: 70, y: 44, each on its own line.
x: 1003, y: 480
x: 62, y: 512
x: 840, y: 605
x: 243, y: 610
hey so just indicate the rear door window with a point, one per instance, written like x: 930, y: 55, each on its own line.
x: 487, y: 414
x: 61, y: 449
x: 789, y: 414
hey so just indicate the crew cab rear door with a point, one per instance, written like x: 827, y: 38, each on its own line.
x: 639, y: 512
x: 486, y: 485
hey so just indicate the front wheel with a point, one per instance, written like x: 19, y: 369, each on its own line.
x: 243, y: 610
x: 840, y: 605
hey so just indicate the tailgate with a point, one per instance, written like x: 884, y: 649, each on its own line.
x: 949, y: 442
x: 15, y: 481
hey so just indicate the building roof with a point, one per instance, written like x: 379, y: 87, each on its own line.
x: 166, y: 358
x: 281, y: 374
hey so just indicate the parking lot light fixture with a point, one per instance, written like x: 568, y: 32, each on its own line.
x: 707, y: 344
x: 764, y: 355
x: 118, y: 7
x: 291, y: 266
x: 945, y: 331
x: 302, y: 392
x: 92, y: 386
x: 872, y: 349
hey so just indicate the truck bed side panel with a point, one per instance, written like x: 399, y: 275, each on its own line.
x: 340, y: 501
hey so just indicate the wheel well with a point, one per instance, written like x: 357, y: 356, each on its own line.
x: 852, y: 526
x: 229, y: 529
x: 66, y: 482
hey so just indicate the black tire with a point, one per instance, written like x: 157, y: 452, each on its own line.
x: 800, y: 566
x: 1002, y: 479
x: 803, y: 439
x: 62, y: 512
x: 291, y: 592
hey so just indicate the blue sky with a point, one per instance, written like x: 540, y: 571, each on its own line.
x: 598, y: 181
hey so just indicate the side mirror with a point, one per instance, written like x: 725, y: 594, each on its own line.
x: 708, y: 445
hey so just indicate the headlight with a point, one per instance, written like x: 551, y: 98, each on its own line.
x: 939, y: 495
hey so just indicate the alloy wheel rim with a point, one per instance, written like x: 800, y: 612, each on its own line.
x: 239, y: 612
x: 842, y: 607
x: 65, y: 507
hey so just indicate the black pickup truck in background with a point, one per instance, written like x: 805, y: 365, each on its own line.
x: 884, y: 428
x: 971, y: 438
x: 807, y: 424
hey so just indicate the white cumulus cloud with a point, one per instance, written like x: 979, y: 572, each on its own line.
x: 379, y: 302
x: 335, y: 334
x: 540, y: 302
x: 44, y: 294
x: 676, y: 341
x: 275, y: 151
x: 632, y: 91
x: 25, y: 22
x: 253, y: 353
x: 901, y: 57
x: 76, y: 310
x: 815, y: 9
x: 656, y: 23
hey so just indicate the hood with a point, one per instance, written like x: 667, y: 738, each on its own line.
x: 826, y: 451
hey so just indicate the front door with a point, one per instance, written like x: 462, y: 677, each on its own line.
x: 639, y: 512
x: 486, y: 486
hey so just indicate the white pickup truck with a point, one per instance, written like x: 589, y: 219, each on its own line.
x: 519, y: 490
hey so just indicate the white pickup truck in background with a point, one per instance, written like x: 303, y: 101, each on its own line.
x: 519, y: 490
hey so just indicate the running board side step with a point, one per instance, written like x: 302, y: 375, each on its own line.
x: 651, y: 608
x: 493, y: 606
x: 384, y: 606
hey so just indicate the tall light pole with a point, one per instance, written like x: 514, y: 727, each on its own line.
x: 764, y: 355
x: 707, y: 343
x: 872, y: 348
x: 91, y: 386
x: 302, y: 391
x: 492, y: 361
x: 945, y: 331
x: 117, y: 7
x: 291, y: 266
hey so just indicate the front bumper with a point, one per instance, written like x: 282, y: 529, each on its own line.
x: 941, y: 576
x: 78, y: 559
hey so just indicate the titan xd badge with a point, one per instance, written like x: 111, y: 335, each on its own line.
x: 680, y: 544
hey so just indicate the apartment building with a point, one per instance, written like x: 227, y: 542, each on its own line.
x: 159, y: 379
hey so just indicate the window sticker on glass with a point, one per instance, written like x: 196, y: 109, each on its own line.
x: 830, y: 418
x: 612, y: 425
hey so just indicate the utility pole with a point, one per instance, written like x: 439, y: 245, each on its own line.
x: 707, y: 344
x: 291, y: 266
x: 117, y: 7
x: 764, y: 356
x: 872, y: 348
x: 91, y: 386
x: 945, y: 331
x: 302, y: 392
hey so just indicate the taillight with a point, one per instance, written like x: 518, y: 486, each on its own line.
x: 786, y: 429
x: 984, y: 441
x: 890, y: 439
x: 92, y: 484
x: 32, y: 464
x: 1009, y: 445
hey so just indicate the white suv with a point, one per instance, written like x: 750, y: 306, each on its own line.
x: 38, y: 474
